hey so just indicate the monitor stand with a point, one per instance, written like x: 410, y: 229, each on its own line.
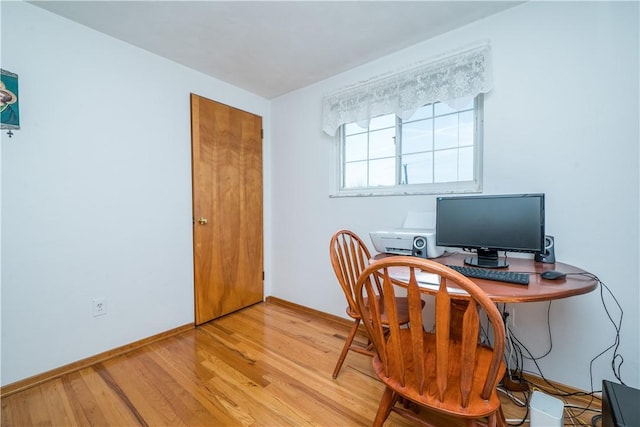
x: 486, y: 258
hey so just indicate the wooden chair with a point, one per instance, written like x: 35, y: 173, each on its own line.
x: 349, y: 257
x: 445, y: 376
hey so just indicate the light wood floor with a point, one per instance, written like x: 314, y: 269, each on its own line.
x: 268, y: 365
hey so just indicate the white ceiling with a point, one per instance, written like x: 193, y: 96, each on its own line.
x: 273, y: 47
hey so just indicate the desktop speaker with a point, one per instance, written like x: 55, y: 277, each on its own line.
x: 419, y: 248
x: 549, y: 254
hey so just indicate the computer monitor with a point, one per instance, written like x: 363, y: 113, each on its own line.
x: 488, y: 224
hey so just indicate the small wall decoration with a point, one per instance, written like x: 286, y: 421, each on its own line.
x: 9, y: 111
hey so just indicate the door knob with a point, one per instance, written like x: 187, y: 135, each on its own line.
x: 202, y: 221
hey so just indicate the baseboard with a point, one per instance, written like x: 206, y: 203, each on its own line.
x: 347, y: 323
x: 308, y: 310
x: 550, y: 387
x: 26, y: 383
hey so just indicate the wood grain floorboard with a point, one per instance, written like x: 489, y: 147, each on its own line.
x: 267, y: 365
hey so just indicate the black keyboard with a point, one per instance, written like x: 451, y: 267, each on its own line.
x: 496, y: 275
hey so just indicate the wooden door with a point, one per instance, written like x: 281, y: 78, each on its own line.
x: 226, y: 146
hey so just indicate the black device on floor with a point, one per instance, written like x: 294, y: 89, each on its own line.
x: 620, y: 405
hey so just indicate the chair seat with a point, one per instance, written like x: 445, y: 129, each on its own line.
x: 450, y: 405
x: 403, y: 311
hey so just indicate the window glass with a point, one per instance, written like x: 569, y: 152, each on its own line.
x: 382, y: 172
x: 446, y: 132
x: 465, y: 164
x: 422, y: 113
x: 465, y: 129
x: 382, y: 122
x: 355, y: 147
x: 437, y: 150
x: 382, y: 143
x: 441, y: 109
x: 446, y: 166
x: 355, y: 175
x: 417, y: 168
x: 352, y: 128
x: 417, y: 136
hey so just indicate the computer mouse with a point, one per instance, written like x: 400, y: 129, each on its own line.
x: 553, y: 275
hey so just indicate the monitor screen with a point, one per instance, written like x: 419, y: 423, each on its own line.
x: 488, y: 224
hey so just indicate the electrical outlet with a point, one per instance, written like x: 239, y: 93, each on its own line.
x: 99, y: 306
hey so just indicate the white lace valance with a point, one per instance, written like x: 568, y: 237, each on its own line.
x: 464, y: 74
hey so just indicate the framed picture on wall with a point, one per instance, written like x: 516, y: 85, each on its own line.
x: 9, y: 110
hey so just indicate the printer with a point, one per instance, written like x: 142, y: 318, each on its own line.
x: 406, y: 241
x: 413, y: 238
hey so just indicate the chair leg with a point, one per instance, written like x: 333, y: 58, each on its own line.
x: 494, y: 420
x: 500, y: 419
x: 389, y: 399
x: 345, y: 349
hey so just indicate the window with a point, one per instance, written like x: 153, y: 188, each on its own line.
x: 437, y: 150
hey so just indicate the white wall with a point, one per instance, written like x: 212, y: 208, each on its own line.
x: 562, y: 119
x: 96, y: 191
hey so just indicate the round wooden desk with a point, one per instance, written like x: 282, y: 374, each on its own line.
x: 577, y: 281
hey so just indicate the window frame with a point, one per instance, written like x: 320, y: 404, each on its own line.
x: 458, y: 187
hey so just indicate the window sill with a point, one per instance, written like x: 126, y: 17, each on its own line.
x: 458, y: 188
